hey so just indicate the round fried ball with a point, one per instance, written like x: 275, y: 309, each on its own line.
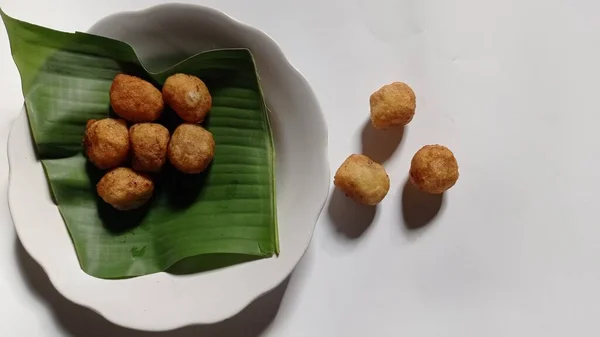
x: 188, y: 96
x: 362, y: 179
x: 106, y: 142
x: 434, y: 169
x: 191, y: 148
x: 392, y: 105
x: 135, y: 100
x: 125, y: 189
x: 149, y: 143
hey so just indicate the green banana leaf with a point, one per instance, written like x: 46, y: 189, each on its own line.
x: 225, y: 215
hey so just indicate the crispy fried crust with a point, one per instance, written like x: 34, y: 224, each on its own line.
x: 125, y: 189
x: 362, y: 179
x: 106, y: 142
x: 135, y: 100
x: 434, y: 169
x: 191, y: 148
x: 188, y: 96
x: 392, y: 105
x: 149, y: 143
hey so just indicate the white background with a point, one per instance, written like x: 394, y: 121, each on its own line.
x: 512, y: 250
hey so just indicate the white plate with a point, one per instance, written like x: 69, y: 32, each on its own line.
x: 163, y: 301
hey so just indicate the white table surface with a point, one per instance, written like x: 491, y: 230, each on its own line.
x: 510, y: 86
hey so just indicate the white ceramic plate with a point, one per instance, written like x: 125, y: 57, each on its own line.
x: 163, y: 301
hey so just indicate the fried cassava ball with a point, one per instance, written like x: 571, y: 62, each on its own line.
x: 362, y: 179
x: 188, y: 96
x: 392, y: 105
x: 135, y: 100
x: 106, y: 142
x: 434, y: 169
x: 125, y: 189
x: 149, y: 143
x: 191, y: 148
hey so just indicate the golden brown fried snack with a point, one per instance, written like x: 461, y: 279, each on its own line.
x: 434, y: 169
x: 125, y: 189
x: 392, y: 105
x: 135, y: 100
x: 362, y: 179
x: 191, y: 148
x: 149, y: 143
x: 106, y: 142
x: 188, y: 96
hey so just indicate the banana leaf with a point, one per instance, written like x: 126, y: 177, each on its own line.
x: 225, y: 215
